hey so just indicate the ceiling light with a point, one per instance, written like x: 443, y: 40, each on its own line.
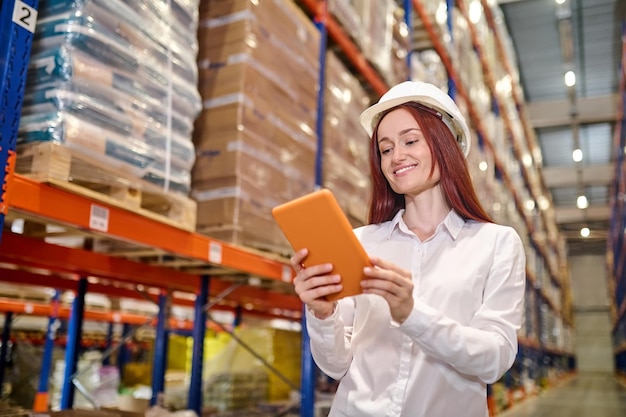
x: 585, y: 232
x: 527, y: 160
x: 530, y: 205
x: 483, y: 166
x: 560, y: 1
x: 577, y: 155
x: 570, y: 78
x: 581, y: 202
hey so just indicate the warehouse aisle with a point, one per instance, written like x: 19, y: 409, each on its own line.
x: 587, y: 394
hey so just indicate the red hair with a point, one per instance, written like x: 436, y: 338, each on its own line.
x: 456, y: 182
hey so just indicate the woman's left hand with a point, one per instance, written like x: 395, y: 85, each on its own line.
x: 392, y: 283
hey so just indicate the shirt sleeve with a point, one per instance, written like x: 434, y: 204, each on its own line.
x: 331, y: 338
x: 486, y: 348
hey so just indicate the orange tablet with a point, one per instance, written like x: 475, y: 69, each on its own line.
x: 316, y: 222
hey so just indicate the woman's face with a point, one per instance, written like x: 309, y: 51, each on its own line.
x: 405, y: 157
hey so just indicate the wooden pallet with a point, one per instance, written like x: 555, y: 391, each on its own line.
x: 54, y: 164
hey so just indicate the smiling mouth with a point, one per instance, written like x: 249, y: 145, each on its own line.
x: 404, y: 169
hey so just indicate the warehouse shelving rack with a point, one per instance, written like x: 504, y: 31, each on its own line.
x: 205, y: 257
x: 616, y: 259
x: 554, y: 355
x: 531, y: 350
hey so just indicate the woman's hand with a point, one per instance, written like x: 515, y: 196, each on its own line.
x: 392, y: 283
x: 314, y: 283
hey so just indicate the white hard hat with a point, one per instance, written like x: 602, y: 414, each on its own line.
x: 428, y: 95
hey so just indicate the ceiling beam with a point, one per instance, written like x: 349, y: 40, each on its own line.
x: 600, y: 174
x: 575, y: 215
x: 597, y: 109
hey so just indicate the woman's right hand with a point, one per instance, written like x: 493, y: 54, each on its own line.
x: 314, y: 283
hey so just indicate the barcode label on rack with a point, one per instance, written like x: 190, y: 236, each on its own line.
x: 215, y: 253
x: 24, y: 16
x: 99, y: 218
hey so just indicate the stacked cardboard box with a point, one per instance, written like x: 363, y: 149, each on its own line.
x: 255, y: 139
x: 346, y: 143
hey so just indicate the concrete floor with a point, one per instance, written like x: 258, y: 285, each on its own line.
x: 584, y: 395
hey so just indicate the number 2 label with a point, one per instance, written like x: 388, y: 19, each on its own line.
x: 24, y: 15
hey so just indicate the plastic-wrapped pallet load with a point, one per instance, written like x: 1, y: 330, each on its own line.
x: 352, y: 24
x: 379, y: 43
x: 255, y: 137
x: 113, y: 82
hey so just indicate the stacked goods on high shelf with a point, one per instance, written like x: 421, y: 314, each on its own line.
x: 346, y: 144
x: 110, y: 102
x: 255, y: 138
x: 379, y: 29
x: 345, y: 14
x: 426, y: 66
x: 547, y: 252
x: 437, y: 10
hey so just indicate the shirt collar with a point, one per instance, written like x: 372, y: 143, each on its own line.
x: 453, y: 223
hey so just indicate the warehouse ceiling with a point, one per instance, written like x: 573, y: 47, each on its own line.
x: 583, y: 36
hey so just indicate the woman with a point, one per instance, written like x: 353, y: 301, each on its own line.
x: 440, y: 309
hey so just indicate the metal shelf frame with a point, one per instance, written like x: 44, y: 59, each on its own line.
x: 17, y: 26
x: 616, y: 261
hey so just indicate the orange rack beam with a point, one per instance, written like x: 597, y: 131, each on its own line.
x: 72, y: 209
x: 34, y: 253
x: 45, y: 310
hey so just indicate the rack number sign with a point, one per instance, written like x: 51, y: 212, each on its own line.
x: 99, y: 218
x: 215, y: 253
x: 25, y: 16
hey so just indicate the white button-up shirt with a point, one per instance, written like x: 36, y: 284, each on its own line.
x: 469, y: 282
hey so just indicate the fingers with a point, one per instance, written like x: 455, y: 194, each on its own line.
x: 387, y: 278
x: 314, y: 282
x: 318, y: 288
x: 297, y: 258
x: 381, y: 263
